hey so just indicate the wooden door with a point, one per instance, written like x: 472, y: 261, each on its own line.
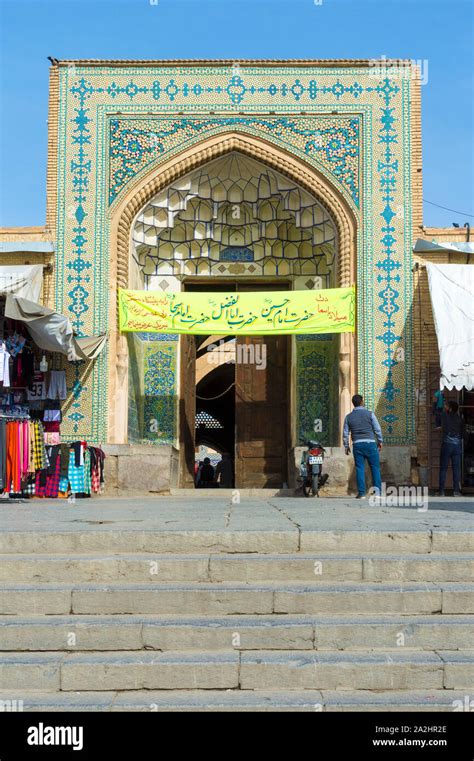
x: 261, y: 412
x: 187, y: 412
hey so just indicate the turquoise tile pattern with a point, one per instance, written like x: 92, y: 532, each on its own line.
x: 116, y: 123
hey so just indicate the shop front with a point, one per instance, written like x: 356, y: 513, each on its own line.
x: 35, y: 345
x: 451, y: 289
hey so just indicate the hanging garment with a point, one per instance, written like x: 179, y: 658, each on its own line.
x: 57, y: 385
x: 31, y: 459
x: 51, y: 427
x: 64, y: 457
x: 53, y: 454
x: 15, y: 344
x: 78, y: 447
x: 25, y: 449
x: 37, y: 388
x: 52, y: 482
x: 53, y: 472
x: 52, y: 438
x: 13, y: 479
x: 23, y: 369
x: 17, y: 372
x: 40, y: 452
x: 4, y: 366
x: 28, y: 367
x: 47, y: 481
x: 87, y: 472
x: 19, y: 433
x: 3, y: 455
x: 101, y: 458
x: 95, y: 481
x: 75, y: 474
x: 52, y: 415
x: 29, y: 487
x: 95, y: 475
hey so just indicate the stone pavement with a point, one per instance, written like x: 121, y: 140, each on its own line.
x: 291, y: 515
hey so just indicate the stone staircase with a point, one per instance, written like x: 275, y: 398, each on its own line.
x: 118, y: 621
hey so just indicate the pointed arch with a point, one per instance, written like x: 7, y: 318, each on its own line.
x: 163, y: 174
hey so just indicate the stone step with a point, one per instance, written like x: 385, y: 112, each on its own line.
x: 357, y: 671
x: 100, y: 537
x: 226, y: 599
x: 239, y: 700
x: 146, y: 567
x: 287, y: 632
x: 392, y: 670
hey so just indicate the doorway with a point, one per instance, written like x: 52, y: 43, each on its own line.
x: 465, y: 400
x: 235, y: 398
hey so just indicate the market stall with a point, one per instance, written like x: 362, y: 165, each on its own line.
x: 35, y: 344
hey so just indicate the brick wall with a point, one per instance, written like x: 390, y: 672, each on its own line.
x: 33, y: 234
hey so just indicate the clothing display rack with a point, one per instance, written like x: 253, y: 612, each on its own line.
x: 34, y: 461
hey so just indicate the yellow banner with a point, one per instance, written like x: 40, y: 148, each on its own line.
x: 249, y: 313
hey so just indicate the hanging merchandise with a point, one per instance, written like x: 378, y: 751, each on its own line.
x: 52, y: 414
x: 3, y: 455
x: 15, y: 343
x: 4, y: 365
x: 34, y: 462
x: 97, y: 469
x: 22, y: 452
x: 36, y: 391
x: 23, y: 369
x: 57, y: 385
x: 47, y: 480
x: 85, y: 473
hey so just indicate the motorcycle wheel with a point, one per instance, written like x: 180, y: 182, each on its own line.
x: 315, y: 486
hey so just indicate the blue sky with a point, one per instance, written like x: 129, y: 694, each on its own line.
x: 439, y: 32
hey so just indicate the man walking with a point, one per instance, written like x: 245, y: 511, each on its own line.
x: 367, y: 441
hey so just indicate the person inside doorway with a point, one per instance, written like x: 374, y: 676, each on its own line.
x: 206, y: 480
x: 225, y: 472
x: 451, y: 447
x: 367, y: 441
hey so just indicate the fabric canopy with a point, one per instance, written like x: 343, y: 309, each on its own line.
x: 452, y: 297
x: 23, y: 280
x: 440, y: 246
x: 52, y: 331
x: 330, y: 310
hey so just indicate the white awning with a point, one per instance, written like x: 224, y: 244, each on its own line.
x: 24, y: 280
x: 452, y: 298
x: 52, y: 331
x: 439, y: 247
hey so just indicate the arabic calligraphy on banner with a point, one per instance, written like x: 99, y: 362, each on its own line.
x: 250, y: 313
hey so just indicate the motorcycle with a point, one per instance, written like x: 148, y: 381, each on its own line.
x: 311, y: 469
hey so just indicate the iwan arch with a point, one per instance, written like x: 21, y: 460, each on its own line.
x: 340, y: 133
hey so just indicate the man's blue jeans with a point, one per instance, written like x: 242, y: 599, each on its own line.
x: 450, y: 451
x: 367, y: 450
